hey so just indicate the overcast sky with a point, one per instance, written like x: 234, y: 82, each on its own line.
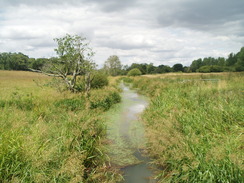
x: 141, y: 31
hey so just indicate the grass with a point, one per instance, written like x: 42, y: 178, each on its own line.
x: 49, y: 136
x: 194, y: 126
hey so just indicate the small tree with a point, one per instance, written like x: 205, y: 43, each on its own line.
x: 74, y: 58
x: 134, y: 72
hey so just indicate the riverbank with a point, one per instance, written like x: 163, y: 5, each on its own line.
x: 52, y: 136
x: 194, y: 126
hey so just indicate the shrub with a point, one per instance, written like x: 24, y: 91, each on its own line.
x: 216, y: 68
x: 211, y: 68
x: 100, y: 80
x: 204, y: 69
x: 134, y: 72
x: 239, y: 68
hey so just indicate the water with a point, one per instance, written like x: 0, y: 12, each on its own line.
x: 126, y: 133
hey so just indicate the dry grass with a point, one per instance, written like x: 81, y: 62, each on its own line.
x: 190, y: 75
x: 48, y: 136
x: 194, y: 125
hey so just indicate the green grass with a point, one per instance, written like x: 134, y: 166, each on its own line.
x: 48, y: 136
x: 194, y: 126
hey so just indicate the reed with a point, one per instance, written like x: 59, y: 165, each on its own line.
x: 194, y: 126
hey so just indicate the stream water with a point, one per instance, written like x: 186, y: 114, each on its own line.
x: 126, y: 133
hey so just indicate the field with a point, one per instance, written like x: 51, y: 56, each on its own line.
x: 194, y: 125
x: 52, y: 136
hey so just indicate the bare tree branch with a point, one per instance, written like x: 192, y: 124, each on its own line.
x: 48, y: 74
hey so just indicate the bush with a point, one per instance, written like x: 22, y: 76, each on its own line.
x: 100, y: 80
x: 239, y: 68
x: 216, y: 68
x: 211, y: 68
x: 134, y: 72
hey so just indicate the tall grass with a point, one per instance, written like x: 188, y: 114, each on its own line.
x: 48, y: 136
x: 194, y: 126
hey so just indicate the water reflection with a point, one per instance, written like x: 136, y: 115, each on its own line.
x: 130, y: 138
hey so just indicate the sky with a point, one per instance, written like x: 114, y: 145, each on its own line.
x: 137, y: 31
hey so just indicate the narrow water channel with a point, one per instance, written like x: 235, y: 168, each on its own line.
x: 126, y: 133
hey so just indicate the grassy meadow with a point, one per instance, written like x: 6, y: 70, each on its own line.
x: 52, y: 136
x: 194, y: 125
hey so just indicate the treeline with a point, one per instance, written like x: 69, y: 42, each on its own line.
x: 20, y: 61
x: 234, y: 62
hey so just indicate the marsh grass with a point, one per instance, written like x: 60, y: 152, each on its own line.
x: 48, y: 136
x: 194, y: 126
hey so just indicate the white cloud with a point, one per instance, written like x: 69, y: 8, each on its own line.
x: 161, y: 32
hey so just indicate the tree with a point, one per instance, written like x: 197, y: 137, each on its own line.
x: 74, y: 59
x: 196, y: 64
x: 231, y: 60
x: 178, y: 67
x: 38, y: 63
x: 239, y: 65
x: 150, y: 68
x: 112, y: 65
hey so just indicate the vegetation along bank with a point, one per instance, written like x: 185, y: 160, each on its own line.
x: 194, y: 125
x: 52, y: 136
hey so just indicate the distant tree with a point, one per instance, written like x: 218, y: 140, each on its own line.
x: 113, y: 66
x: 196, y: 64
x: 124, y: 70
x: 38, y: 63
x: 231, y: 60
x: 142, y: 67
x: 186, y: 69
x: 14, y: 61
x: 221, y: 61
x: 151, y: 69
x: 134, y: 72
x: 178, y: 67
x: 163, y: 69
x: 239, y: 65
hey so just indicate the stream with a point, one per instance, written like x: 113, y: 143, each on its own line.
x: 127, y: 141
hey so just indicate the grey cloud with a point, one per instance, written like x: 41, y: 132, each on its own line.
x: 105, y: 5
x: 205, y: 15
x: 124, y: 45
x: 121, y: 43
x: 161, y: 31
x: 163, y: 51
